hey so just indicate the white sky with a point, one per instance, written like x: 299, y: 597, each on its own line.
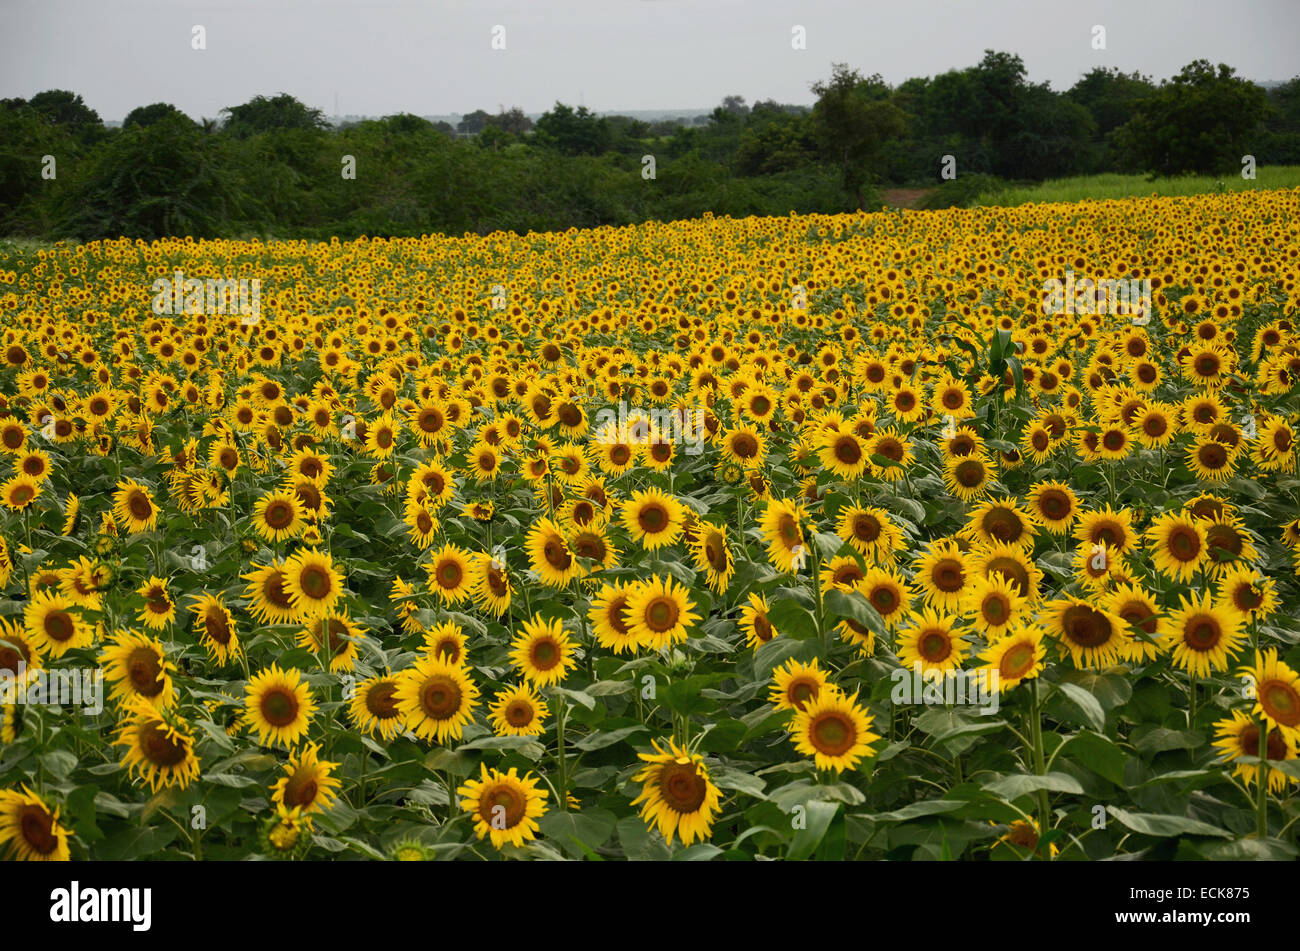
x: 433, y: 57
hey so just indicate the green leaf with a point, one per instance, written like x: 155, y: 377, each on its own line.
x: 854, y: 604
x: 1161, y: 739
x: 603, y: 738
x: 915, y: 810
x: 1150, y: 823
x: 1086, y: 702
x: 817, y: 819
x: 699, y: 852
x: 790, y: 618
x: 525, y: 746
x: 573, y: 830
x: 1013, y: 787
x: 1097, y: 753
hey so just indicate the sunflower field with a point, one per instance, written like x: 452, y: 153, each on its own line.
x: 804, y: 537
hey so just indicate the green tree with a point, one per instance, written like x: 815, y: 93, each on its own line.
x: 148, y: 115
x: 153, y: 181
x: 1202, y: 120
x: 263, y: 114
x: 573, y: 131
x: 852, y: 119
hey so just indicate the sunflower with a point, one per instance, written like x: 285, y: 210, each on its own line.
x: 1013, y: 656
x: 1002, y: 522
x: 1275, y: 445
x: 834, y: 730
x: 549, y: 554
x: 951, y: 397
x: 1211, y: 460
x: 343, y: 634
x: 592, y: 545
x: 448, y: 641
x: 1202, y: 635
x: 1238, y: 737
x: 518, y: 711
x: 34, y: 463
x: 436, y: 698
x: 137, y: 666
x: 421, y: 524
x: 870, y: 531
x: 30, y: 829
x: 713, y: 555
x: 842, y: 574
x: 1247, y: 593
x: 745, y: 446
x: 931, y: 641
x: 795, y: 685
x: 942, y: 573
x: 16, y: 649
x: 844, y: 452
x: 659, y: 613
x: 1277, y: 693
x: 307, y: 784
x: 159, y: 746
x: 71, y: 513
x: 134, y: 508
x: 83, y: 581
x: 268, y: 592
x: 677, y: 794
x: 18, y: 492
x: 373, y: 707
x: 1095, y: 637
x: 490, y: 586
x: 782, y: 530
x: 278, y: 706
x: 52, y: 626
x: 888, y: 593
x: 159, y: 609
x: 607, y: 617
x: 893, y: 447
x: 1141, y: 612
x: 542, y: 652
x: 450, y: 574
x: 1180, y: 545
x: 1012, y: 562
x: 313, y: 584
x: 216, y: 628
x: 505, y: 806
x: 756, y: 623
x: 1053, y: 505
x: 993, y: 603
x: 1107, y: 527
x: 278, y: 516
x: 653, y: 518
x: 1227, y: 545
x: 967, y: 477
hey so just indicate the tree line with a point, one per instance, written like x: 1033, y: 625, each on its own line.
x: 273, y: 167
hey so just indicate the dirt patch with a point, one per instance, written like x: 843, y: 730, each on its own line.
x: 904, y: 197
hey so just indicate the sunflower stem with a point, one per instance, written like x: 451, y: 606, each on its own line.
x: 561, y: 711
x: 1261, y: 780
x: 1036, y: 734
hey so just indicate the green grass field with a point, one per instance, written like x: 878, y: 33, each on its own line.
x: 1101, y: 187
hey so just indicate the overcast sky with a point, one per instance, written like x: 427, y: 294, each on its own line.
x: 434, y: 57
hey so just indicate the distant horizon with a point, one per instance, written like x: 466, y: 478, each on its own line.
x: 385, y: 57
x: 662, y: 113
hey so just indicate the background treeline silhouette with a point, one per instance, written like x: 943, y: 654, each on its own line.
x: 272, y: 167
